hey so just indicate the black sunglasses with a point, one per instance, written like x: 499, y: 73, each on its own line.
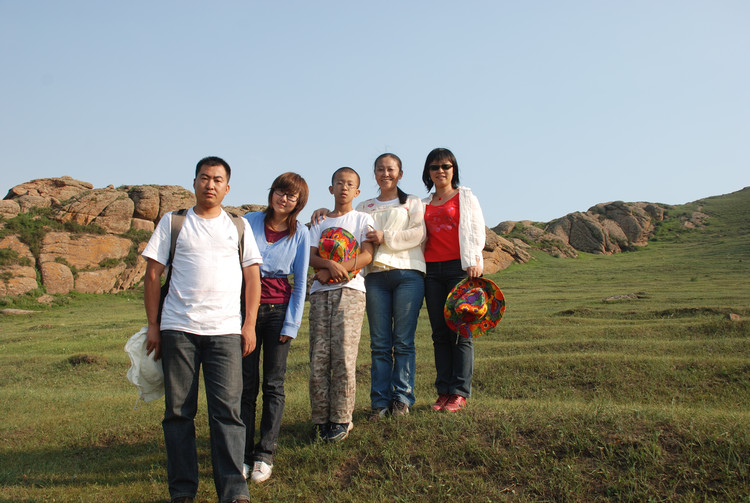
x: 437, y: 167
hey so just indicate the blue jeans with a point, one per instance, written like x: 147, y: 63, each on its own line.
x: 220, y: 355
x: 394, y: 299
x: 454, y: 356
x: 267, y: 331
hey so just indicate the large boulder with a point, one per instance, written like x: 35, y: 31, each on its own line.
x: 56, y: 277
x: 82, y: 251
x: 53, y: 190
x: 17, y: 279
x: 499, y: 253
x: 146, y: 202
x: 9, y: 208
x: 174, y: 197
x: 608, y: 227
x: 100, y: 280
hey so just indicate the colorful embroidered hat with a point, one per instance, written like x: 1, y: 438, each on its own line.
x: 339, y: 245
x: 474, y: 306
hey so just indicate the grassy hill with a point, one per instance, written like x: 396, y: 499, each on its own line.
x: 611, y: 378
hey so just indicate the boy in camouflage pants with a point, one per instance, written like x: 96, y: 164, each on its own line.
x: 337, y: 308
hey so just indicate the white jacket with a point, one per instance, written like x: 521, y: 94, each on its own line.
x: 403, y: 233
x: 471, y: 230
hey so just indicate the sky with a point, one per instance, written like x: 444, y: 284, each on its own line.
x: 549, y: 106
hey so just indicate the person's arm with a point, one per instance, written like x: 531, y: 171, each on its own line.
x: 293, y: 318
x: 251, y: 275
x: 414, y: 234
x: 327, y: 269
x: 151, y: 297
x: 478, y: 237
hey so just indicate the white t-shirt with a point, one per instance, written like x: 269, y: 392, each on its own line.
x: 357, y: 224
x: 204, y: 291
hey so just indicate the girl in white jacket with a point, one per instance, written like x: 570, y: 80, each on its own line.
x: 453, y: 250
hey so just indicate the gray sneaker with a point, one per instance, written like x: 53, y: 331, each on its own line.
x: 399, y: 408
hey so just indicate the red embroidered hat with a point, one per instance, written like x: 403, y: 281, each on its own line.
x: 338, y: 244
x: 474, y: 306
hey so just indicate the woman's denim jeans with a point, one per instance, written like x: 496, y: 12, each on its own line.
x: 267, y: 331
x: 221, y: 358
x: 454, y: 356
x: 394, y: 299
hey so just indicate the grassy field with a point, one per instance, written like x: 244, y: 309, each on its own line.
x: 575, y: 398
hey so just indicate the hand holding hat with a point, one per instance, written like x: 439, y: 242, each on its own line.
x: 474, y: 306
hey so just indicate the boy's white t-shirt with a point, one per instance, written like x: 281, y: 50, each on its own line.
x: 204, y: 291
x: 356, y: 222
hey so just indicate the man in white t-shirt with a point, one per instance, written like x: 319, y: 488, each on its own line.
x: 201, y: 325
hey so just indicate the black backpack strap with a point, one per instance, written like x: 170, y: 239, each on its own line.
x: 178, y: 219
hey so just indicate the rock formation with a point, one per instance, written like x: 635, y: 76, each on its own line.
x: 604, y: 229
x: 95, y: 255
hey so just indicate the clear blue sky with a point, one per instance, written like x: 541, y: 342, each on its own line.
x: 550, y: 106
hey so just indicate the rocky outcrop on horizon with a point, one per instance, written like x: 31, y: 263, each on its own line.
x: 102, y: 253
x: 606, y: 228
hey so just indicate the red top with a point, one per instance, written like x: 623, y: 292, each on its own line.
x: 442, y: 231
x: 275, y: 290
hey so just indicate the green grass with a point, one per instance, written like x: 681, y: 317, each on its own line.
x: 575, y: 398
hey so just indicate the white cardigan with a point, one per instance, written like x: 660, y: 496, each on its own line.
x: 471, y: 230
x: 403, y: 233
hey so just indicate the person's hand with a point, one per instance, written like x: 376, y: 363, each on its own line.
x: 474, y: 271
x: 283, y: 339
x: 323, y: 276
x: 375, y: 237
x: 318, y: 215
x: 248, y: 339
x: 338, y: 272
x: 153, y: 341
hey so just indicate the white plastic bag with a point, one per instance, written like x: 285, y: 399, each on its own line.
x: 145, y: 373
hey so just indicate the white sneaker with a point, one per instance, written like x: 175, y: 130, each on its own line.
x: 261, y: 472
x: 246, y: 470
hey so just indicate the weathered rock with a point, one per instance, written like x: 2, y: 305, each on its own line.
x: 56, y: 277
x: 174, y: 197
x: 116, y: 217
x: 133, y: 275
x: 146, y: 202
x: 98, y: 281
x: 9, y: 208
x: 11, y: 311
x: 17, y: 280
x: 83, y: 251
x: 499, y: 253
x: 51, y: 189
x: 11, y: 242
x: 28, y: 202
x: 84, y: 209
x: 45, y: 299
x: 142, y: 225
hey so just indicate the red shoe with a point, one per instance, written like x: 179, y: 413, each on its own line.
x: 441, y: 401
x: 455, y: 403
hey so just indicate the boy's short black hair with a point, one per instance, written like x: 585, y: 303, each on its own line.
x: 213, y: 161
x: 345, y: 169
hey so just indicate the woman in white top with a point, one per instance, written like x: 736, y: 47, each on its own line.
x: 395, y: 288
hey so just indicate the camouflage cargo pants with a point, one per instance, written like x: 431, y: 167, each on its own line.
x: 335, y: 327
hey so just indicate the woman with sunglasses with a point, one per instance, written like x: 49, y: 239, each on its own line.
x: 453, y: 251
x: 284, y: 244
